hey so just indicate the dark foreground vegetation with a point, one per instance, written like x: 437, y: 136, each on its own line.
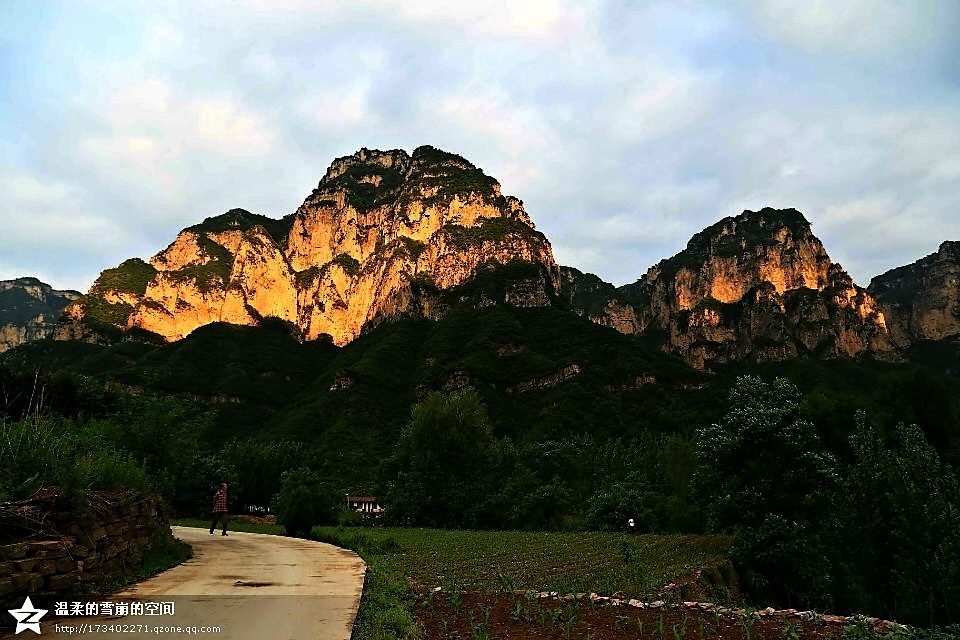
x: 836, y: 482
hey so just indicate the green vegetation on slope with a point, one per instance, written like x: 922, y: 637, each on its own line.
x: 491, y: 230
x: 103, y: 315
x: 214, y: 273
x: 130, y: 276
x: 242, y: 220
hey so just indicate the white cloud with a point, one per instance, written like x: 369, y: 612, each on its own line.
x: 658, y: 100
x: 625, y: 128
x: 331, y: 108
x: 854, y: 26
x: 226, y: 127
x: 552, y: 22
x: 163, y: 39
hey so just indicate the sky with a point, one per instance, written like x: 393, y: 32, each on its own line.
x: 625, y: 127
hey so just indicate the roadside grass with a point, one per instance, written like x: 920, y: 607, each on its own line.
x: 164, y: 555
x: 233, y: 525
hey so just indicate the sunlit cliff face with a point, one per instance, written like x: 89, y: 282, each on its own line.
x: 347, y: 256
x: 756, y: 286
x: 922, y: 300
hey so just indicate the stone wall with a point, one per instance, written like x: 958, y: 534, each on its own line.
x: 48, y: 544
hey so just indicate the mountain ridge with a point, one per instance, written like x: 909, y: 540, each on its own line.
x: 385, y: 233
x: 30, y: 309
x: 348, y: 256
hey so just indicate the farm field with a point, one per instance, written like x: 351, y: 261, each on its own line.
x: 456, y: 585
x: 567, y: 562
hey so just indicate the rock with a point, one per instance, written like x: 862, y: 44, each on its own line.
x: 63, y: 581
x: 382, y: 230
x: 13, y: 551
x: 27, y: 564
x: 921, y: 301
x: 29, y: 310
x: 20, y: 581
x: 65, y: 565
x: 758, y: 286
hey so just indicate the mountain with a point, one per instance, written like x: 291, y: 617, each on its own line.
x: 381, y: 227
x: 922, y: 300
x: 758, y: 287
x: 29, y: 310
x: 386, y: 234
x: 543, y: 372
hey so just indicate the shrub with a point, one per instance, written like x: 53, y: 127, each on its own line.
x: 304, y: 501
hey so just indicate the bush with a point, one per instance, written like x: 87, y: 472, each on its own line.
x: 304, y: 501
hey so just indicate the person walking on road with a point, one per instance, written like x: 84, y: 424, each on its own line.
x: 220, y: 509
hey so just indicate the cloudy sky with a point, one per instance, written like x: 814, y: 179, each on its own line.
x: 624, y: 126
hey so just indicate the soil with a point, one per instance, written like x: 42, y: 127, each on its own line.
x: 521, y: 617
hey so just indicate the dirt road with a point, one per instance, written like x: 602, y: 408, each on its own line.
x: 244, y: 586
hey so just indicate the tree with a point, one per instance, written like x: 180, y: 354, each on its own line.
x: 764, y: 477
x: 611, y: 508
x: 900, y: 525
x: 257, y: 465
x: 445, y: 464
x: 304, y: 501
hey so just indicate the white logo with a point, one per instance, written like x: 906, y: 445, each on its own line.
x: 28, y: 617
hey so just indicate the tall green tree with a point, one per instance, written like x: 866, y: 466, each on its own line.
x: 764, y: 477
x: 900, y: 525
x: 444, y: 469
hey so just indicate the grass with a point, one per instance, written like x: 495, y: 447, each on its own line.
x: 233, y: 525
x: 165, y: 554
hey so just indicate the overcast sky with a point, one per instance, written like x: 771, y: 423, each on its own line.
x: 625, y: 127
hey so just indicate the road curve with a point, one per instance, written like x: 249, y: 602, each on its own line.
x: 252, y: 586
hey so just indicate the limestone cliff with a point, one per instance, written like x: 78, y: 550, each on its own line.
x: 378, y: 223
x: 29, y: 310
x: 921, y: 301
x: 758, y: 286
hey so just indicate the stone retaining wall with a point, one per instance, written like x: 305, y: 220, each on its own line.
x: 47, y: 548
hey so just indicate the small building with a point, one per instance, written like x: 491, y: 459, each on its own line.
x: 367, y: 505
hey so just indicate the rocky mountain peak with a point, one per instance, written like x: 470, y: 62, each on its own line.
x: 922, y: 299
x: 377, y: 221
x: 734, y: 255
x: 764, y: 227
x: 29, y: 310
x: 949, y: 250
x: 759, y: 286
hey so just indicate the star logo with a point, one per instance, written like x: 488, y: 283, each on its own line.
x: 28, y: 617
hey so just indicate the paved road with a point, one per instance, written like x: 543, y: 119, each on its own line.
x: 250, y: 586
